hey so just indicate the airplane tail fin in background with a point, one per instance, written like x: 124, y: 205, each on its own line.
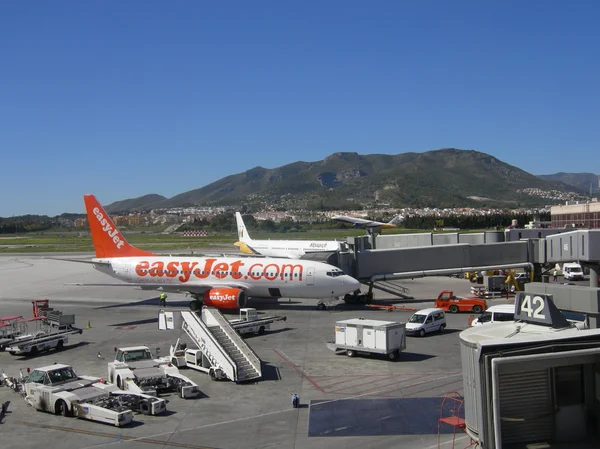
x: 242, y: 231
x: 394, y: 220
x: 108, y: 240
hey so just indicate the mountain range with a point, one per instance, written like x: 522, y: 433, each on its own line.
x: 447, y: 177
x: 581, y: 181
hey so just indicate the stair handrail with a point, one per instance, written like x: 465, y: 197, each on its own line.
x: 191, y: 317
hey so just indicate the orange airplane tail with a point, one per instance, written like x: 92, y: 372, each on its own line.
x: 108, y: 240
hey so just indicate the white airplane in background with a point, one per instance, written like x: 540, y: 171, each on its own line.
x: 221, y: 282
x: 293, y: 249
x: 368, y: 224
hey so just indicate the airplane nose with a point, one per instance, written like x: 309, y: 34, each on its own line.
x: 350, y: 284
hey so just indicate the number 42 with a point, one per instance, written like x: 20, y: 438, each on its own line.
x: 528, y: 304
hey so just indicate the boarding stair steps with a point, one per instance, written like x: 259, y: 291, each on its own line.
x: 245, y: 370
x: 248, y: 365
x: 393, y: 289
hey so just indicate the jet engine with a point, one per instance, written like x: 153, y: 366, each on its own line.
x: 225, y: 298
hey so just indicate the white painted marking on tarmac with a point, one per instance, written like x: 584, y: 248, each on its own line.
x: 262, y: 415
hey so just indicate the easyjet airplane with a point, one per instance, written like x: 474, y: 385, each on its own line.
x: 222, y: 282
x: 293, y: 249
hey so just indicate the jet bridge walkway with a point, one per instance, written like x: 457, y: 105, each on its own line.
x: 222, y: 345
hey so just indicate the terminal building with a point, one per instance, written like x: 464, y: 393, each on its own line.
x: 577, y: 215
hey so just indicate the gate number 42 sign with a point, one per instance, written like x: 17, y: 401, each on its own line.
x: 538, y: 308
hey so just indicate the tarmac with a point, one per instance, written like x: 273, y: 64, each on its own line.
x: 366, y: 402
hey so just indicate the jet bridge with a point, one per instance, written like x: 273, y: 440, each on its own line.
x: 405, y: 256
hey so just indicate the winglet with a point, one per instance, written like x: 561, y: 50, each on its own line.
x: 108, y: 240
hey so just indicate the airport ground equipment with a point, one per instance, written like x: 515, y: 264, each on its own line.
x: 10, y: 328
x: 426, y: 321
x: 358, y: 335
x: 52, y: 332
x: 572, y: 272
x: 481, y: 292
x: 135, y: 369
x: 58, y: 389
x: 448, y: 301
x: 221, y: 352
x: 250, y: 323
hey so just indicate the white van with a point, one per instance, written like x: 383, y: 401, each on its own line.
x: 494, y: 314
x: 572, y: 272
x: 506, y: 312
x: 425, y: 321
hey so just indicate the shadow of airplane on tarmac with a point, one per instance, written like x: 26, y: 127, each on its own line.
x: 136, y: 322
x: 148, y: 302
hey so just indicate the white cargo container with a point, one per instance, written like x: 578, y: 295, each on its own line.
x: 369, y: 336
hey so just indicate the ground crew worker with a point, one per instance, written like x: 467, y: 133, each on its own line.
x: 555, y: 276
x: 163, y: 299
x: 295, y: 400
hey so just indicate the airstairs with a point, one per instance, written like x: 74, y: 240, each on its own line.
x: 393, y: 289
x: 222, y: 345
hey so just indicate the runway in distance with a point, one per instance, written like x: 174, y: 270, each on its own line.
x: 368, y: 224
x: 221, y: 282
x: 293, y: 249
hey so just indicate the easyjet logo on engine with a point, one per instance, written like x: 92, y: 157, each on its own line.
x: 203, y: 268
x: 113, y: 233
x: 219, y: 297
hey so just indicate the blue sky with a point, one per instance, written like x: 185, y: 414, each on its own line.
x: 121, y: 99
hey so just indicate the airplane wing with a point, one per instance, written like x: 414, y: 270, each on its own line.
x: 352, y: 220
x: 246, y: 249
x: 106, y: 264
x: 175, y: 288
x: 361, y: 222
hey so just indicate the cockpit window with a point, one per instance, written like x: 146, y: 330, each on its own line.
x: 335, y: 273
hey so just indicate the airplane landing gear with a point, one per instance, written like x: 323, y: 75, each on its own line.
x: 321, y: 305
x: 196, y: 304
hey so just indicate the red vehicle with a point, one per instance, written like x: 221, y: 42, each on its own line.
x: 446, y: 300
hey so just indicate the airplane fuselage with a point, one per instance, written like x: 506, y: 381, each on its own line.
x: 292, y: 248
x: 258, y: 277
